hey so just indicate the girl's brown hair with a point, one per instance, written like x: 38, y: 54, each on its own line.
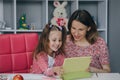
x: 44, y: 39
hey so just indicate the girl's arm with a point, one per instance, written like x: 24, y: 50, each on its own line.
x: 56, y: 70
x: 43, y: 65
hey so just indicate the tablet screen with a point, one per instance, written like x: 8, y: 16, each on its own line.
x: 76, y: 64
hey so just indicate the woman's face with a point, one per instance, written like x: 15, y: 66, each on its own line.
x: 78, y: 30
x: 55, y: 40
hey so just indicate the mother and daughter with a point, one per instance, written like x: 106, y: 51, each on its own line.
x: 83, y: 40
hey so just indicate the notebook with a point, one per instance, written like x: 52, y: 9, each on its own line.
x: 76, y: 67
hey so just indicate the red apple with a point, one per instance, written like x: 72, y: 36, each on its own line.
x: 18, y: 77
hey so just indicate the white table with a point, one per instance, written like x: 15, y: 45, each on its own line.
x: 104, y: 76
x: 28, y: 76
x: 95, y: 76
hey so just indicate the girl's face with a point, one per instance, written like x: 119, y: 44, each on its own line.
x: 55, y: 40
x: 79, y: 30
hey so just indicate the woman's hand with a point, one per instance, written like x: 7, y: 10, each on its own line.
x: 105, y: 69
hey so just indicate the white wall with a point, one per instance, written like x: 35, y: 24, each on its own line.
x: 114, y: 34
x: 1, y: 10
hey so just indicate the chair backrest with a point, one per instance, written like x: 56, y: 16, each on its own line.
x: 16, y: 52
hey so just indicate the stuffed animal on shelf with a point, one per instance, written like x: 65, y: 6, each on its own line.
x: 59, y: 14
x: 22, y: 22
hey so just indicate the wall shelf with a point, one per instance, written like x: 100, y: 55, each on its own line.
x: 40, y: 12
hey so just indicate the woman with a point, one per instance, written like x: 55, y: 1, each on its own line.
x: 85, y: 41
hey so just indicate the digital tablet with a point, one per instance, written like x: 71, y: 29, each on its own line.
x: 76, y: 64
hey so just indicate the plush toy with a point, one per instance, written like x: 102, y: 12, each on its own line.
x: 59, y: 14
x: 22, y: 22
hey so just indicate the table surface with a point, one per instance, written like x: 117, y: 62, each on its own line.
x: 95, y: 76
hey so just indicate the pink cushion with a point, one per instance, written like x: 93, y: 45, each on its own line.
x: 16, y: 52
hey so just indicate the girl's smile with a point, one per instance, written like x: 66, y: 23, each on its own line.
x: 55, y: 39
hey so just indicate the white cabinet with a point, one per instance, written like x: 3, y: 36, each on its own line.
x: 7, y: 16
x: 40, y: 12
x: 35, y: 11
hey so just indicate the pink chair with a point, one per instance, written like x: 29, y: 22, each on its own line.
x: 16, y: 52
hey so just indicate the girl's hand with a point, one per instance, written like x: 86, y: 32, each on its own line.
x: 88, y: 69
x: 30, y: 68
x: 58, y: 70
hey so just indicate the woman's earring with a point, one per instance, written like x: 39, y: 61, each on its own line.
x: 89, y: 29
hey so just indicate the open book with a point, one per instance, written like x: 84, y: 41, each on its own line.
x: 76, y: 67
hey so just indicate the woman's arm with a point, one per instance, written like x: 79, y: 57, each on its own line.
x: 103, y: 57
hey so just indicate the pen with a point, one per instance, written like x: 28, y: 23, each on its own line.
x: 96, y: 74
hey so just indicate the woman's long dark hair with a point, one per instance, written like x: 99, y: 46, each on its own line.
x: 85, y: 18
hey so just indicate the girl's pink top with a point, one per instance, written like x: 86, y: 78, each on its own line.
x: 98, y: 51
x: 41, y: 64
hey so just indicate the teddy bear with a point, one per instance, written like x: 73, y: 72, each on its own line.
x: 59, y: 14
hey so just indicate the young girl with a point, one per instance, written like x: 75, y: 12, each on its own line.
x: 49, y: 55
